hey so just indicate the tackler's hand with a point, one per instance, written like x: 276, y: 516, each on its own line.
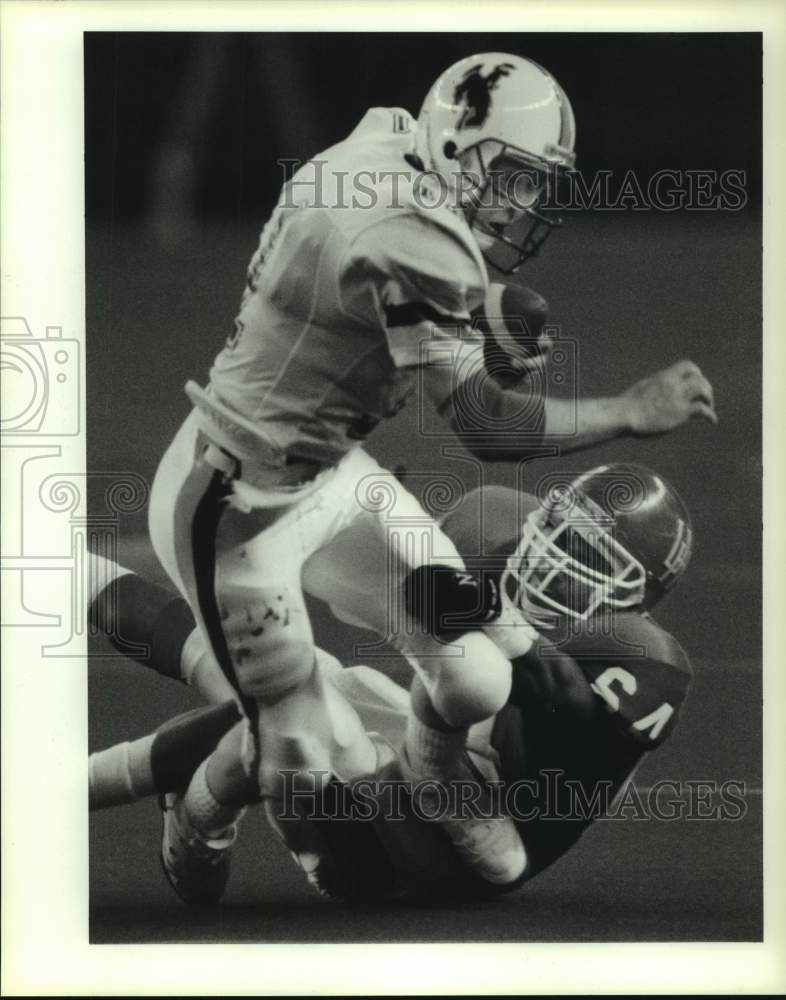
x: 660, y: 402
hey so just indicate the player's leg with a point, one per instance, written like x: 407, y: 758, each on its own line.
x: 160, y: 762
x: 343, y: 857
x: 383, y: 706
x: 253, y: 614
x: 189, y: 497
x: 200, y: 825
x: 240, y: 566
x: 361, y: 575
x: 165, y: 760
x: 153, y: 626
x: 264, y: 623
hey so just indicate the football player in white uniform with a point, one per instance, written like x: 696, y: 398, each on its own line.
x: 600, y: 686
x: 350, y: 304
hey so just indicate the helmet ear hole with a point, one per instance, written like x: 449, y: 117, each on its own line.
x: 449, y: 149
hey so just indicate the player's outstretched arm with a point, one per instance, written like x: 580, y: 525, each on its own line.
x: 499, y: 424
x: 585, y: 422
x: 493, y: 423
x: 656, y: 404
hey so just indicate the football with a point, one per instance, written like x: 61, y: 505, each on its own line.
x: 514, y: 321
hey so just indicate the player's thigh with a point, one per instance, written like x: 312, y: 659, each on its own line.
x: 238, y: 569
x: 171, y: 476
x: 238, y: 558
x: 360, y: 572
x: 261, y: 613
x: 351, y: 575
x: 259, y: 578
x: 360, y: 575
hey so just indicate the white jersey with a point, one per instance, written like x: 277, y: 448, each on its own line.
x: 361, y: 264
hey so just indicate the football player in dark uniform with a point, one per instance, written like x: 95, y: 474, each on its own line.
x: 563, y: 582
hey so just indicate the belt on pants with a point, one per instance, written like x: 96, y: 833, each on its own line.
x: 240, y: 450
x: 293, y: 475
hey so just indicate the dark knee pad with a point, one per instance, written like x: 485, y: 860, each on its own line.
x: 132, y: 612
x: 181, y: 744
x: 449, y: 602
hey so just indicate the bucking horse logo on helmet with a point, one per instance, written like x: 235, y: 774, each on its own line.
x: 475, y: 92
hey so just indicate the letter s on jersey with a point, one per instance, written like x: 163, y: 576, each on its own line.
x: 602, y: 686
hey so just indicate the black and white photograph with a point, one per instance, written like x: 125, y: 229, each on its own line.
x: 410, y: 400
x: 416, y: 563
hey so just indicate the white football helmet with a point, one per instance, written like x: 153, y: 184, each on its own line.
x: 496, y: 119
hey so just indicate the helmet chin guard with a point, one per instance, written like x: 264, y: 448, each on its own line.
x: 506, y: 248
x: 618, y: 536
x: 571, y: 564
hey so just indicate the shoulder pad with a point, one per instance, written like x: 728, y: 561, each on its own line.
x: 388, y: 120
x: 426, y: 253
x: 628, y: 634
x: 431, y: 203
x: 492, y: 514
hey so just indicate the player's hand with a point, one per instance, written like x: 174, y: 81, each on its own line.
x: 663, y: 401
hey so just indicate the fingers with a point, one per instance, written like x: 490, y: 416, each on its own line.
x: 702, y: 409
x: 672, y: 396
x: 699, y: 388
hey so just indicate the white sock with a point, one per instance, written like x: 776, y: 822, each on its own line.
x: 432, y: 752
x: 210, y: 817
x: 121, y: 773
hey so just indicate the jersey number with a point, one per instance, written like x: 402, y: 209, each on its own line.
x: 400, y: 124
x: 602, y: 686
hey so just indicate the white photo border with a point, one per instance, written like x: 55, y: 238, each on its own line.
x: 44, y: 704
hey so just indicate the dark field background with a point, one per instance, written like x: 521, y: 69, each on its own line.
x: 182, y: 134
